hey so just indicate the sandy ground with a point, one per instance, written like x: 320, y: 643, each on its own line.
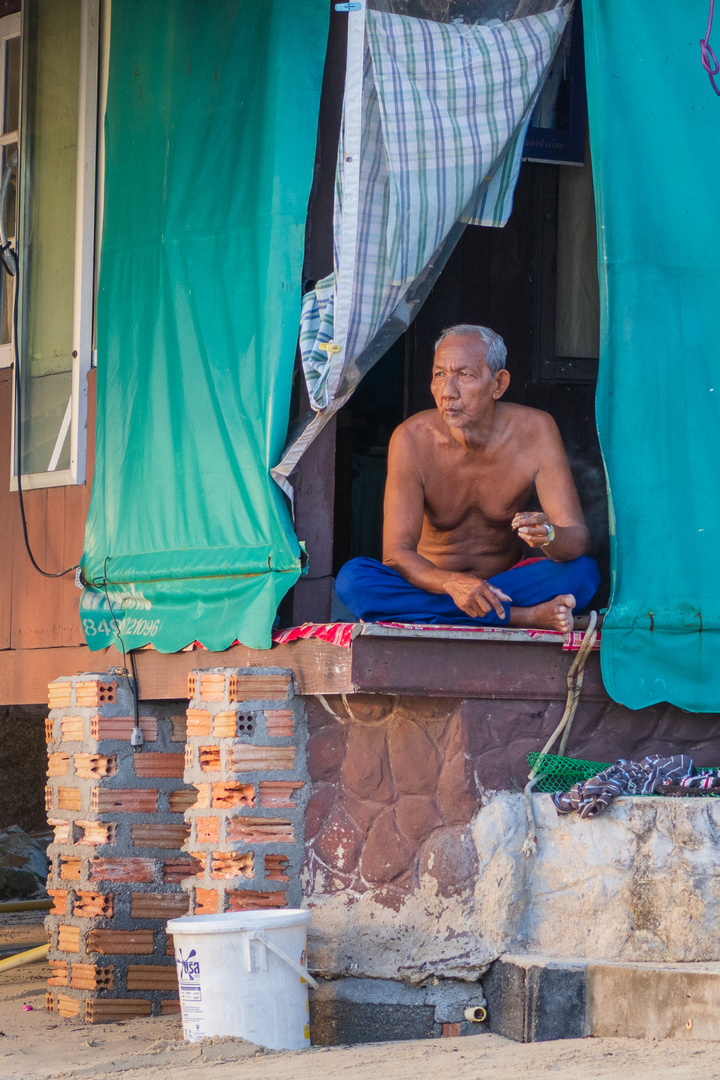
x: 39, y: 1046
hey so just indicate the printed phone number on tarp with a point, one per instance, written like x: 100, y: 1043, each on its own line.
x: 141, y: 627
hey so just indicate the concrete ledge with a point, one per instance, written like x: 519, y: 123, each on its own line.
x: 537, y: 998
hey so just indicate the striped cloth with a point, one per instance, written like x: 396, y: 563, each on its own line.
x: 445, y: 107
x: 343, y: 634
x: 647, y: 777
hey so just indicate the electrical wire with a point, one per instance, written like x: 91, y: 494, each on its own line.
x: 136, y: 703
x: 12, y: 271
x: 137, y: 738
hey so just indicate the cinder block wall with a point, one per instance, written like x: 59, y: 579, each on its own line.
x: 246, y: 757
x: 117, y: 861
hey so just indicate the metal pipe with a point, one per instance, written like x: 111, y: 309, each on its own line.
x: 25, y: 905
x: 475, y: 1014
x: 20, y: 959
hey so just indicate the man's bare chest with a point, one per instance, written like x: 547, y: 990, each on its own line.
x: 491, y: 490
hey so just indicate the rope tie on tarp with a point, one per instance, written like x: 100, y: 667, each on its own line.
x: 708, y: 59
x: 575, y: 676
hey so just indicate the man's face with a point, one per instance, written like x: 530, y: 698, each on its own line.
x: 462, y: 384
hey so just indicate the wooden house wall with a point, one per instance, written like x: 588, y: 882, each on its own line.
x: 37, y: 612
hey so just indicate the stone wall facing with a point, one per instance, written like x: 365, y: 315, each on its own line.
x: 245, y: 754
x: 117, y: 861
x: 390, y: 863
x: 415, y: 868
x: 393, y: 790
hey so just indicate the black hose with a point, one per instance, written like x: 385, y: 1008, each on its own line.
x: 18, y: 408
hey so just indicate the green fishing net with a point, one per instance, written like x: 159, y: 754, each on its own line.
x: 561, y: 773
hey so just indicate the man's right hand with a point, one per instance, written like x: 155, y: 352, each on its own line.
x: 475, y: 596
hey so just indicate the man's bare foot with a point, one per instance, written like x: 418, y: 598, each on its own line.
x: 552, y: 615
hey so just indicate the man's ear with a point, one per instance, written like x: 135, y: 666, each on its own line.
x: 502, y: 381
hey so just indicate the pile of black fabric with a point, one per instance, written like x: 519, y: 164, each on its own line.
x: 654, y: 775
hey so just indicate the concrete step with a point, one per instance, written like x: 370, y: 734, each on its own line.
x: 533, y: 998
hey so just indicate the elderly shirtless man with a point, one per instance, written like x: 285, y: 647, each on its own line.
x: 459, y: 479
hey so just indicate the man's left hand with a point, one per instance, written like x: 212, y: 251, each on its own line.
x: 534, y: 529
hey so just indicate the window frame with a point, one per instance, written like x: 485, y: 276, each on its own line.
x: 84, y: 257
x: 547, y: 366
x: 10, y: 27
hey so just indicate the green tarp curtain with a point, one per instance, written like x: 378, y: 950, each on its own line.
x: 210, y: 127
x: 655, y: 137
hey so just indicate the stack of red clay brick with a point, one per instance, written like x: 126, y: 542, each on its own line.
x: 245, y: 754
x: 116, y: 860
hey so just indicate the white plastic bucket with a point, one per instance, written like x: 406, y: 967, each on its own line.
x: 244, y: 974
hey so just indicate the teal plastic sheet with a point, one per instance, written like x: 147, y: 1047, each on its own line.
x: 655, y: 137
x: 210, y: 138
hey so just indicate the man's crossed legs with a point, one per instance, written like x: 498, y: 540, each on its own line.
x: 543, y: 594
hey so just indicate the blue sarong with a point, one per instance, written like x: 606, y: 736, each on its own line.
x: 376, y: 593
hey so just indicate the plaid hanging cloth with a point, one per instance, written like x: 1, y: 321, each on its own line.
x: 444, y: 108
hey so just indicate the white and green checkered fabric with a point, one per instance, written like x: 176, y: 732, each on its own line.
x: 451, y: 98
x: 445, y: 108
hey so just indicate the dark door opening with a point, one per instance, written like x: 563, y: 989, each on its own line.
x: 521, y: 281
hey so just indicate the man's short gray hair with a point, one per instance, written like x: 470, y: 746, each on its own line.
x: 496, y: 354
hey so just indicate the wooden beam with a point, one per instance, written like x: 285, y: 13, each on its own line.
x: 502, y: 670
x: 317, y: 666
x: 314, y: 503
x: 381, y: 665
x: 25, y: 673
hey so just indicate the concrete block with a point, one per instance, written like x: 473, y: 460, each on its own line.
x: 537, y: 998
x: 535, y: 1002
x: 347, y: 1023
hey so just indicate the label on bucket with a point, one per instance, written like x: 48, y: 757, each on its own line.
x: 188, y: 969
